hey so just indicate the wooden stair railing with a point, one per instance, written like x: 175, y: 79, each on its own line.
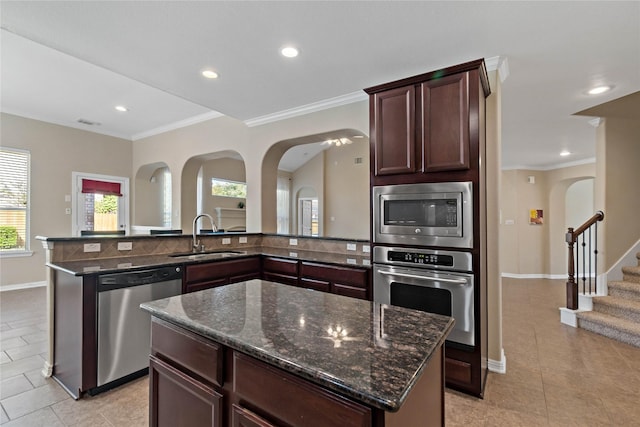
x: 583, y: 236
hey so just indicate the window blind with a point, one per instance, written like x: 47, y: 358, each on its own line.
x: 14, y: 199
x: 91, y: 186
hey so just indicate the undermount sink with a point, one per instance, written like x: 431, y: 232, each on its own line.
x: 208, y: 254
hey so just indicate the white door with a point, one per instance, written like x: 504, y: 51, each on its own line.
x: 103, y: 207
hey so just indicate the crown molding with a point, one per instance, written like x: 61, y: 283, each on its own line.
x: 596, y: 122
x: 177, y: 125
x: 307, y: 109
x: 552, y: 167
x: 499, y: 64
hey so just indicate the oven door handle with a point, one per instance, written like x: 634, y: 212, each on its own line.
x: 426, y: 277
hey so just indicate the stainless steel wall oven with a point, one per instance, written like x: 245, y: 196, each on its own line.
x: 424, y: 214
x: 429, y: 280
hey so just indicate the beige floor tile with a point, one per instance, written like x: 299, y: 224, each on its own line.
x: 36, y: 321
x: 573, y: 406
x: 516, y: 398
x: 10, y: 343
x: 503, y: 417
x: 28, y: 350
x: 4, y: 418
x: 18, y: 332
x: 40, y: 336
x: 36, y: 378
x: 18, y: 367
x: 41, y: 418
x: 14, y: 385
x: 4, y: 357
x: 33, y: 400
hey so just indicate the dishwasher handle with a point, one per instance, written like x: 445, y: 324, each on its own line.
x: 108, y: 282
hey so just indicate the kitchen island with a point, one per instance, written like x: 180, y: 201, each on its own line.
x: 258, y: 353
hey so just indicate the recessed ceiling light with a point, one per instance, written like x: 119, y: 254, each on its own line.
x: 210, y: 74
x: 598, y: 90
x: 289, y: 51
x: 121, y: 108
x: 565, y: 153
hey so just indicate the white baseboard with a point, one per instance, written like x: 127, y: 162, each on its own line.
x: 498, y: 366
x: 535, y: 276
x: 22, y: 286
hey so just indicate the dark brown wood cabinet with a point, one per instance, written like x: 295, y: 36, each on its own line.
x: 335, y: 279
x: 209, y: 275
x: 280, y: 270
x: 426, y: 124
x: 350, y: 282
x: 177, y: 399
x: 243, y: 391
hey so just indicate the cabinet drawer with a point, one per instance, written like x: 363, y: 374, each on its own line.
x: 318, y: 285
x: 193, y: 287
x: 349, y: 291
x: 202, y: 272
x: 279, y: 265
x: 352, y: 276
x: 238, y: 267
x: 265, y: 387
x: 241, y: 417
x: 196, y: 354
x: 458, y: 371
x: 281, y: 278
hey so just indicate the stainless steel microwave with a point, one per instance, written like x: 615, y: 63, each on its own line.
x: 426, y: 214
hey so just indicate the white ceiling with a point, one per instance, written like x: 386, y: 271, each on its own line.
x: 62, y: 61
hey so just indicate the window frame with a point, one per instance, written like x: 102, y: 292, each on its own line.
x: 27, y: 226
x: 229, y: 181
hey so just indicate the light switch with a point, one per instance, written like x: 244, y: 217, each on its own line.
x: 293, y: 242
x: 226, y: 241
x: 366, y: 249
x: 67, y: 198
x: 351, y: 246
x: 242, y: 240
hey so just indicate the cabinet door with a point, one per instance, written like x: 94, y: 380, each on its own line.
x: 177, y: 399
x: 393, y: 131
x: 445, y: 123
x: 241, y: 417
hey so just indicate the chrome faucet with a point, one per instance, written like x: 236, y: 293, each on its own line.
x: 197, y: 247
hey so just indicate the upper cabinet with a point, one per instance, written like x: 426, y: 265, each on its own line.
x: 426, y: 124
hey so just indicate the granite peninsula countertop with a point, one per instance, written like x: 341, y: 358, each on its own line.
x: 132, y: 263
x: 371, y: 352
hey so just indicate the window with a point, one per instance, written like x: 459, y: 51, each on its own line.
x: 283, y: 205
x: 166, y: 198
x: 14, y: 200
x: 226, y: 188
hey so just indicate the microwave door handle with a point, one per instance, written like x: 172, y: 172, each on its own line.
x: 426, y: 277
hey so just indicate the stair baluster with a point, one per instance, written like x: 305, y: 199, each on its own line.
x: 575, y: 264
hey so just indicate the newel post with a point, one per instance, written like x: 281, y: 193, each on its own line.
x: 572, y: 286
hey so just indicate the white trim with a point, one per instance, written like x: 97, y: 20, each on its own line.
x: 614, y: 274
x: 498, y: 366
x: 569, y: 317
x: 15, y: 254
x: 177, y: 125
x: 552, y: 167
x: 23, y: 286
x: 595, y: 122
x: 500, y: 64
x: 309, y: 108
x: 534, y: 276
x: 77, y: 188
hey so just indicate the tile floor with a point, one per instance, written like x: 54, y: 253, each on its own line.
x: 556, y: 375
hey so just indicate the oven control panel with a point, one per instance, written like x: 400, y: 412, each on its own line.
x: 420, y: 258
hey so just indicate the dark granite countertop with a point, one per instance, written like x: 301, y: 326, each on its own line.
x: 371, y: 352
x: 131, y: 263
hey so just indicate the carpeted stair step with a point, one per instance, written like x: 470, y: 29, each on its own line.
x: 626, y: 290
x: 613, y: 327
x: 631, y: 274
x: 618, y: 307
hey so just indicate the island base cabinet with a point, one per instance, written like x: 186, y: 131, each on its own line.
x: 176, y: 399
x: 308, y: 405
x: 241, y: 417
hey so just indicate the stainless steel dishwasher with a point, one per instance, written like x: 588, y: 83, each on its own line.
x: 123, y: 328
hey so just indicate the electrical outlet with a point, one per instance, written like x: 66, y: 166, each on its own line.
x: 351, y: 246
x: 125, y: 265
x: 366, y: 262
x: 125, y: 246
x: 67, y: 211
x: 366, y: 249
x: 67, y: 197
x: 293, y: 254
x: 242, y: 240
x: 226, y: 241
x: 293, y: 242
x: 351, y: 261
x: 92, y: 247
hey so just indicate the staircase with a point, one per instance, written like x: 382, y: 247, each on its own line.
x: 617, y: 315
